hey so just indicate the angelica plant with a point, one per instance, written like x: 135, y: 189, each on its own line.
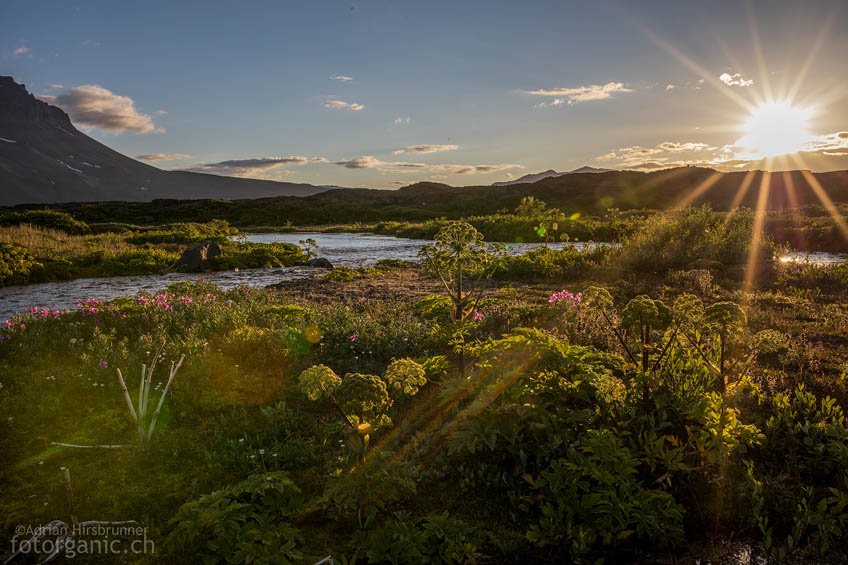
x: 145, y: 423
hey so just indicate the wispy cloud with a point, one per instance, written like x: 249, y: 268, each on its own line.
x: 581, y: 93
x: 687, y: 146
x: 342, y: 105
x: 93, y: 106
x: 55, y: 86
x: 254, y: 166
x: 342, y: 78
x: 370, y: 162
x: 403, y: 119
x: 425, y: 149
x: 154, y: 157
x: 825, y: 151
x: 634, y: 157
x: 735, y: 80
x: 22, y: 50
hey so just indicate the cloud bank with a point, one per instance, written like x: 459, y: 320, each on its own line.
x: 413, y: 149
x: 252, y: 167
x: 93, y: 106
x: 438, y: 170
x: 581, y: 93
x: 154, y: 157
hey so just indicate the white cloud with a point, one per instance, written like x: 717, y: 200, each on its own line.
x: 403, y: 120
x: 687, y: 146
x: 554, y: 102
x: 425, y: 149
x: 253, y: 167
x: 582, y: 93
x: 370, y: 162
x: 22, y: 50
x: 342, y: 78
x: 161, y: 112
x: 735, y: 80
x: 342, y: 105
x: 154, y: 157
x: 55, y: 86
x: 93, y: 106
x: 366, y: 162
x: 670, y: 87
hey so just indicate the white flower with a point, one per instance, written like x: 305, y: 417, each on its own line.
x: 73, y: 340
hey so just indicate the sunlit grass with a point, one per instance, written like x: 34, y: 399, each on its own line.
x: 51, y: 243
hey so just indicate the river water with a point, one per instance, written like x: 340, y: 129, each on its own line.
x: 345, y: 249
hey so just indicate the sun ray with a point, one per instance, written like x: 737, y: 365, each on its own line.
x: 823, y: 197
x: 758, y: 51
x: 757, y: 233
x: 740, y: 194
x: 805, y: 68
x: 699, y: 70
x: 705, y: 185
x: 789, y: 185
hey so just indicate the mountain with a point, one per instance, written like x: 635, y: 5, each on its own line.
x: 585, y: 193
x: 550, y: 173
x: 45, y: 159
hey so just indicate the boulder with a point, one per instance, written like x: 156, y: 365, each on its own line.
x: 320, y: 262
x: 198, y: 257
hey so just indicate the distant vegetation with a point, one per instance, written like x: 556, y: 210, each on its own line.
x: 599, y: 207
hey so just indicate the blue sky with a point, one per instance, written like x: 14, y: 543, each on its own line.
x: 480, y: 91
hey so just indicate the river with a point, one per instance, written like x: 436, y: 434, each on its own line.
x: 344, y: 249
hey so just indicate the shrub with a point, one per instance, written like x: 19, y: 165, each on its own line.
x: 185, y: 233
x: 680, y: 240
x: 16, y: 264
x: 249, y: 522
x: 61, y: 221
x: 257, y: 255
x: 437, y: 538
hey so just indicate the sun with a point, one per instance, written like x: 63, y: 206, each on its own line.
x: 775, y: 128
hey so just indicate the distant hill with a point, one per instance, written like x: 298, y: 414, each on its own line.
x: 535, y: 177
x: 45, y: 159
x: 585, y: 193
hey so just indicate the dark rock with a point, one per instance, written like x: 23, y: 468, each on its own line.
x: 198, y: 257
x: 320, y: 262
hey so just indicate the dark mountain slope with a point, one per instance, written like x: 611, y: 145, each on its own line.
x: 44, y: 159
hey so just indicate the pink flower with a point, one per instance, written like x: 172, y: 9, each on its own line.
x: 557, y: 297
x: 354, y: 337
x: 477, y: 315
x: 103, y: 364
x: 8, y: 325
x: 185, y: 299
